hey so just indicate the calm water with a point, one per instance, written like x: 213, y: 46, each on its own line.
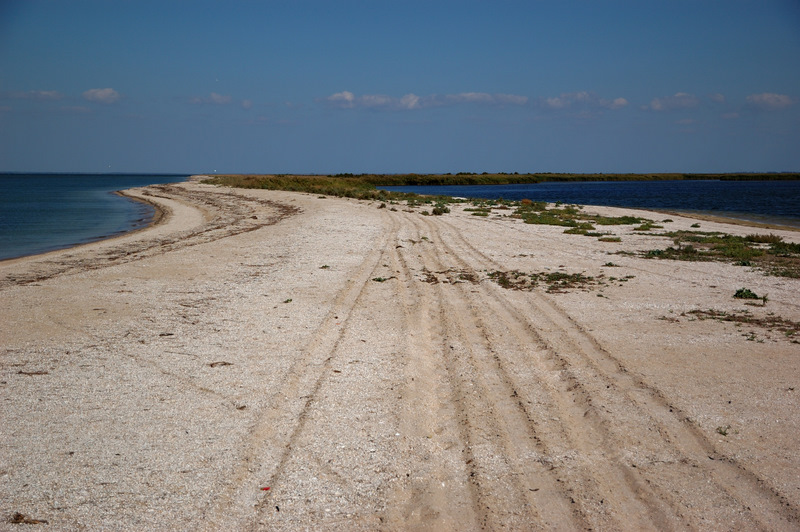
x: 760, y: 201
x: 44, y: 212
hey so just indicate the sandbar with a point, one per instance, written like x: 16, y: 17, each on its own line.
x: 264, y: 360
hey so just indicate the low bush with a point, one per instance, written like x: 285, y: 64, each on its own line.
x: 745, y: 293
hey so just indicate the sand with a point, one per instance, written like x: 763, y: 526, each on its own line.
x: 279, y: 361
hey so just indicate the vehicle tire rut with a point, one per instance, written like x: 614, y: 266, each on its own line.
x: 272, y: 438
x: 516, y: 485
x: 617, y: 397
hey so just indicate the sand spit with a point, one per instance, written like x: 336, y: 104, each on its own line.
x: 277, y: 361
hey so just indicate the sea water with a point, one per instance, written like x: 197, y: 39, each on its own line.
x: 45, y: 212
x: 776, y: 202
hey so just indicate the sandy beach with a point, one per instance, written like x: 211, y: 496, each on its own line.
x: 264, y: 360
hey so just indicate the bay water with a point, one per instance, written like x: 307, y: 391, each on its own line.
x: 45, y: 212
x: 775, y: 202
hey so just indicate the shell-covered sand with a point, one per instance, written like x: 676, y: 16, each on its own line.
x: 364, y: 365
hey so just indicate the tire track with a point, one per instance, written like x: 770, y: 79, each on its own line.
x: 765, y: 508
x: 567, y: 419
x: 610, y: 481
x: 760, y: 506
x: 280, y: 426
x: 515, y: 486
x: 426, y: 500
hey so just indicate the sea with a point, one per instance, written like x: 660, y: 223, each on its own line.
x: 771, y: 202
x: 46, y: 212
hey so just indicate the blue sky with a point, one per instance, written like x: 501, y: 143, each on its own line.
x: 391, y: 86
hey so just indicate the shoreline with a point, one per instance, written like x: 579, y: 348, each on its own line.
x: 275, y: 360
x: 159, y: 212
x: 160, y: 215
x: 722, y: 219
x: 136, y: 226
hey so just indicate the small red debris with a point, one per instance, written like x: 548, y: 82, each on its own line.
x: 265, y: 489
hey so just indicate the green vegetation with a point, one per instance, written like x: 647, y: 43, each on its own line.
x: 538, y: 213
x: 745, y: 293
x: 364, y: 186
x: 764, y: 239
x: 648, y: 225
x: 789, y: 329
x: 571, y: 216
x: 440, y: 209
x: 328, y: 186
x: 766, y: 252
x: 556, y: 281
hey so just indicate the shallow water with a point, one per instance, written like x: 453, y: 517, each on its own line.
x: 45, y: 212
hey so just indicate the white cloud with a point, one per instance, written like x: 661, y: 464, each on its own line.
x: 32, y: 95
x: 555, y: 103
x: 213, y: 98
x: 717, y: 98
x: 220, y: 99
x: 348, y: 100
x: 479, y: 98
x: 376, y: 100
x: 512, y: 99
x: 247, y: 104
x: 470, y: 97
x: 618, y: 103
x: 410, y: 101
x: 680, y: 100
x: 102, y: 95
x: 343, y: 99
x: 770, y: 101
x: 583, y: 99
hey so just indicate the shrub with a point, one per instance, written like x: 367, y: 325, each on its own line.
x: 764, y: 239
x: 745, y: 293
x: 618, y: 220
x: 785, y: 249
